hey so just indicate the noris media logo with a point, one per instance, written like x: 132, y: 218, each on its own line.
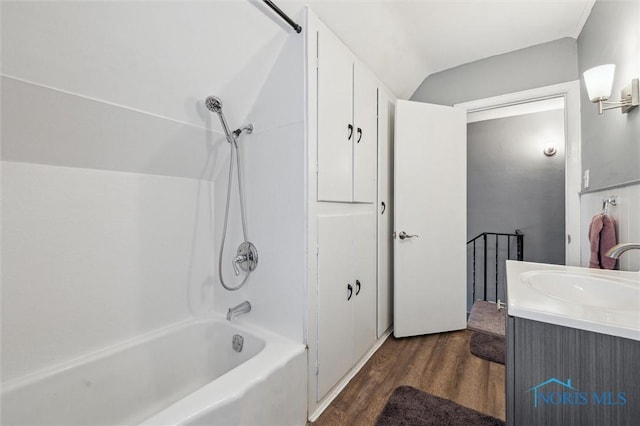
x: 557, y: 392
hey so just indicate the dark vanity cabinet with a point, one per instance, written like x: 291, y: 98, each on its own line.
x: 564, y: 376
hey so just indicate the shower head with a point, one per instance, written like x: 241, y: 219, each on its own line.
x: 213, y: 104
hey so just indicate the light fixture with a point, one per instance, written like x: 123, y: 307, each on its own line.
x: 550, y: 151
x: 599, y: 81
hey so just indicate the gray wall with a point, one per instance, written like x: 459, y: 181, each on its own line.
x: 611, y: 142
x: 536, y: 66
x: 512, y: 185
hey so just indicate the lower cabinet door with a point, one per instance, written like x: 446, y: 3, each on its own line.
x: 365, y: 289
x: 335, y: 296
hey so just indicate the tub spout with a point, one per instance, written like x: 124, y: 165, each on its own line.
x: 242, y: 308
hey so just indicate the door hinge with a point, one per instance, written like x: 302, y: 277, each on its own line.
x: 317, y: 369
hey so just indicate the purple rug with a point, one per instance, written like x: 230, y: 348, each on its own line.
x: 408, y: 406
x: 487, y: 346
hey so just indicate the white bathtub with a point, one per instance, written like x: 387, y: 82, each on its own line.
x: 185, y: 374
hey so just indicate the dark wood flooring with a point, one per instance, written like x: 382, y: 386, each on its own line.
x: 440, y: 364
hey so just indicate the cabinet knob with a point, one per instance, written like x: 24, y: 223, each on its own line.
x: 384, y: 207
x: 349, y: 291
x: 357, y: 287
x: 350, y: 127
x: 359, y: 135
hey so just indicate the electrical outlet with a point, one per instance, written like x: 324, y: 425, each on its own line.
x: 586, y: 179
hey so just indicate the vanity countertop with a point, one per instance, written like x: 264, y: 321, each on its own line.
x: 596, y: 300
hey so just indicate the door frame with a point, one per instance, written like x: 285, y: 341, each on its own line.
x: 570, y: 91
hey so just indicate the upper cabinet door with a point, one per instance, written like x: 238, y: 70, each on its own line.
x: 335, y: 125
x: 365, y: 104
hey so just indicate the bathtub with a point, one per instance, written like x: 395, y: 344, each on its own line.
x: 185, y: 374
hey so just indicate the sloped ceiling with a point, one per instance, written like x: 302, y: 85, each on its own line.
x: 162, y: 57
x: 405, y: 41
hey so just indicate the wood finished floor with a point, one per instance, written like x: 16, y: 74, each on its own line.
x: 440, y: 364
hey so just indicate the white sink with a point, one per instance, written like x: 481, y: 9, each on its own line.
x: 598, y: 292
x: 596, y: 300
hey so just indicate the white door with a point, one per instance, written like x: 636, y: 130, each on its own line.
x: 430, y: 208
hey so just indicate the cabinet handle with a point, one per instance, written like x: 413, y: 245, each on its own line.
x: 357, y: 287
x: 349, y: 291
x: 360, y: 135
x: 384, y: 207
x: 350, y: 127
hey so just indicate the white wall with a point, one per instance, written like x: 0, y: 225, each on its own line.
x: 114, y: 174
x: 625, y: 214
x: 92, y: 257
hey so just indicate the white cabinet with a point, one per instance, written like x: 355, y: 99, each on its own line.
x: 347, y: 133
x: 346, y: 294
x: 364, y: 266
x: 365, y: 105
x: 344, y: 321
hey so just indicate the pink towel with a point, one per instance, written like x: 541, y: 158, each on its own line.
x: 602, y: 236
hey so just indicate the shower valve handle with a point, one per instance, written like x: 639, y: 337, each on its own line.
x: 236, y: 260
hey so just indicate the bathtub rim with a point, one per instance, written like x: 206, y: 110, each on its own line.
x: 45, y: 373
x: 277, y: 353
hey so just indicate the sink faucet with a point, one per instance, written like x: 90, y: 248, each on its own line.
x: 615, y: 251
x: 242, y: 308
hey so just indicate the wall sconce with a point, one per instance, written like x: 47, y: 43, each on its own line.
x: 550, y: 151
x: 599, y: 81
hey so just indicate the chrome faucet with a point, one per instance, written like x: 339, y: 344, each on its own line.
x: 242, y: 308
x: 615, y: 251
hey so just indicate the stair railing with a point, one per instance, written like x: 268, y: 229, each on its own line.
x: 485, y: 239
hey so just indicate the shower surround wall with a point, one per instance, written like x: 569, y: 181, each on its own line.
x: 114, y: 173
x: 273, y: 170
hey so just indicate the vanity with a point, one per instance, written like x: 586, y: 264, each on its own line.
x: 573, y: 346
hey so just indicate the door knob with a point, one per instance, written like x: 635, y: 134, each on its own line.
x: 403, y: 235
